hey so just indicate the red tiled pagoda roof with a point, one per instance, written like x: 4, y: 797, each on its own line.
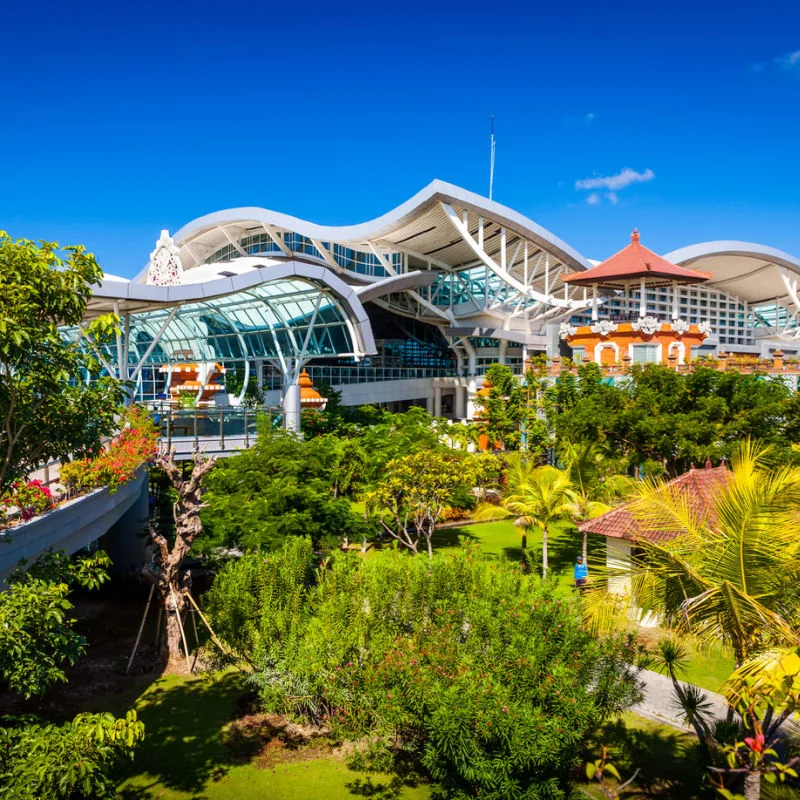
x: 700, y: 487
x: 632, y: 263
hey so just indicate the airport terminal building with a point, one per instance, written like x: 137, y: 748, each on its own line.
x: 412, y: 307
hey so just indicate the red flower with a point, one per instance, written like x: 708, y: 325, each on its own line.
x: 755, y: 744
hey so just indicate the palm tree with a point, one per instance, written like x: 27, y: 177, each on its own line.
x: 730, y: 573
x: 587, y: 466
x: 537, y: 497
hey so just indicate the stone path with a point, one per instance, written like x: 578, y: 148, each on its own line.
x: 659, y: 701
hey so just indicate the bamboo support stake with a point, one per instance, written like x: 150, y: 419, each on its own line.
x: 196, y: 640
x: 158, y: 626
x: 207, y: 624
x: 141, y: 628
x: 180, y: 625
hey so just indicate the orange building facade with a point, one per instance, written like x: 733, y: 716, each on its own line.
x: 645, y: 340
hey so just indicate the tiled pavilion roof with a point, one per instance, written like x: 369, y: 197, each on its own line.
x: 631, y: 264
x: 700, y: 486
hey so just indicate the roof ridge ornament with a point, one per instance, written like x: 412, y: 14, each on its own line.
x: 166, y: 268
x: 635, y: 235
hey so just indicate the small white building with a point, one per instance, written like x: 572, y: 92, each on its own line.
x: 622, y: 531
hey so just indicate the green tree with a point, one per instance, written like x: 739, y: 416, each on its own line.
x: 463, y: 668
x: 413, y: 493
x: 39, y: 760
x: 593, y: 483
x: 48, y: 409
x: 284, y: 486
x: 538, y: 498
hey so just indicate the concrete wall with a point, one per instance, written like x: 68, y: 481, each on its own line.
x: 73, y: 525
x: 618, y: 563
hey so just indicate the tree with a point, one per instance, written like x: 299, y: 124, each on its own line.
x: 413, y: 493
x: 592, y: 481
x: 462, y: 668
x: 167, y: 574
x: 38, y: 760
x: 539, y: 497
x: 731, y: 575
x: 764, y: 693
x: 285, y: 486
x: 48, y: 408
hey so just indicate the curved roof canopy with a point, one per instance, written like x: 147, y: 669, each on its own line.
x: 755, y: 273
x: 474, y: 260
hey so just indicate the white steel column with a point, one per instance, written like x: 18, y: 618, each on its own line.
x: 594, y: 302
x: 675, y: 306
x: 642, y: 298
x: 291, y: 405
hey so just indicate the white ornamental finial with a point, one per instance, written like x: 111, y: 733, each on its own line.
x: 165, y: 263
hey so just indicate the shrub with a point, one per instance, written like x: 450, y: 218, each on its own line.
x: 464, y: 667
x: 135, y: 445
x: 31, y: 498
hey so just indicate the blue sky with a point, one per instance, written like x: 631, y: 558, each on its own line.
x: 119, y: 119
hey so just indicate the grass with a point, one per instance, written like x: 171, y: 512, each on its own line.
x: 184, y: 756
x: 503, y: 539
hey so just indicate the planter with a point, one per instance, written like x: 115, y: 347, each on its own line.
x: 71, y: 526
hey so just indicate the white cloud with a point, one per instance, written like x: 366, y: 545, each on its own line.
x: 612, y: 198
x: 613, y: 183
x: 593, y: 199
x: 580, y: 120
x: 790, y: 60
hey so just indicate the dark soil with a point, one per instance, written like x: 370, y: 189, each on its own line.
x: 109, y: 620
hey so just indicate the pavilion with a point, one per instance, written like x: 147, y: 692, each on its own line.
x: 634, y: 335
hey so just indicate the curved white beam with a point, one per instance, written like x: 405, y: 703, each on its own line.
x: 139, y: 297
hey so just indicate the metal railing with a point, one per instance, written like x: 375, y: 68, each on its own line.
x: 216, y: 424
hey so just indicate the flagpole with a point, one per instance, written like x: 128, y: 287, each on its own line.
x: 491, y: 162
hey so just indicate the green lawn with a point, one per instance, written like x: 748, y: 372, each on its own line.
x: 184, y: 755
x: 503, y: 539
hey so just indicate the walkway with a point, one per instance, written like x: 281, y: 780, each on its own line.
x: 660, y: 704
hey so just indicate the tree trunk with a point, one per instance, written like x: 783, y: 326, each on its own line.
x: 752, y: 786
x: 167, y: 573
x: 585, y: 547
x: 172, y: 655
x: 524, y: 540
x: 544, y: 552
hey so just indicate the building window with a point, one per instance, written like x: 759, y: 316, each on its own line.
x: 645, y: 354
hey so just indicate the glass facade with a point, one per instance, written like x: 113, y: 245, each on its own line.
x: 357, y: 261
x: 272, y: 321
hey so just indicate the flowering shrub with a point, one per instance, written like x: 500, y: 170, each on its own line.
x: 134, y: 446
x: 463, y: 667
x: 31, y: 498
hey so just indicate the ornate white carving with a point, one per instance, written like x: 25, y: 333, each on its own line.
x: 165, y: 267
x: 705, y: 327
x: 680, y: 326
x: 566, y: 330
x: 604, y: 327
x: 647, y: 325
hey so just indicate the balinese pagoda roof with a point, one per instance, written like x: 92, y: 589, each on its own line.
x: 698, y: 486
x: 630, y: 265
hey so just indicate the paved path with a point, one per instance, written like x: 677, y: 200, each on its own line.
x: 660, y: 704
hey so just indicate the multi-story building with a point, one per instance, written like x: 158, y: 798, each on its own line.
x: 409, y: 308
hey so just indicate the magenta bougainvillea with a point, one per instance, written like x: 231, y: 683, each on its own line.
x: 31, y: 498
